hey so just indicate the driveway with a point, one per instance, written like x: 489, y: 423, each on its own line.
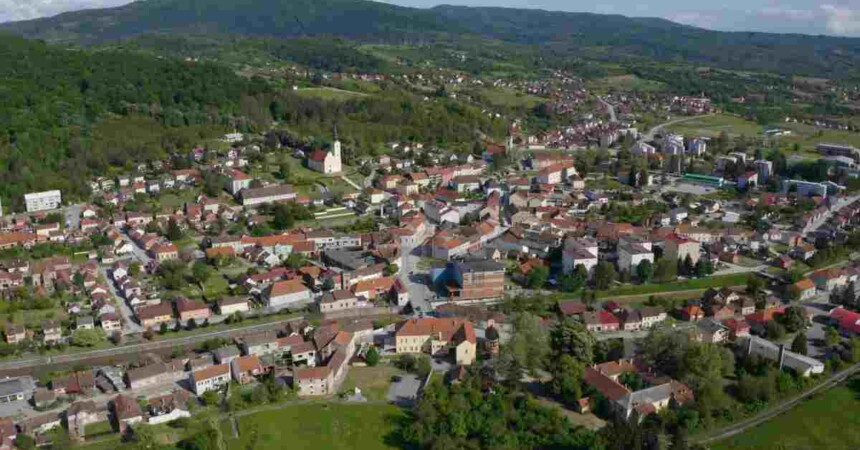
x: 405, y: 391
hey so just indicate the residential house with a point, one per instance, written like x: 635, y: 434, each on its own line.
x: 711, y: 331
x: 245, y: 369
x: 127, y: 412
x: 231, y: 305
x: 284, y: 294
x: 190, y: 309
x: 210, y: 378
x: 438, y: 336
x: 154, y: 315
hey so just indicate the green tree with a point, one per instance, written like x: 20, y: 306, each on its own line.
x: 667, y: 271
x: 528, y: 345
x: 754, y: 285
x: 793, y: 319
x: 201, y: 272
x: 645, y: 271
x: 567, y: 376
x: 536, y: 279
x: 283, y: 217
x: 172, y: 274
x: 174, y: 233
x: 775, y: 331
x: 798, y: 345
x: 604, y: 275
x: 571, y: 338
x: 391, y: 269
x: 831, y: 336
x: 372, y: 357
x: 24, y: 442
x: 88, y: 338
x: 134, y: 269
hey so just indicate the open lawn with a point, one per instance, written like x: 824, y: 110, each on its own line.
x: 330, y: 93
x: 319, y: 426
x: 828, y: 421
x: 508, y: 98
x: 684, y: 285
x: 373, y: 381
x: 625, y: 83
x: 712, y: 126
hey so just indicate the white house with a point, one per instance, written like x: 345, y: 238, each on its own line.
x: 210, y: 378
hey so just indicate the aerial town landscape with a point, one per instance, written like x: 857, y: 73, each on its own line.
x: 377, y: 248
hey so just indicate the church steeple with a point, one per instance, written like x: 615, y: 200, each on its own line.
x: 335, y: 147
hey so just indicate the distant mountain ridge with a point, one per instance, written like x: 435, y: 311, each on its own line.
x: 576, y: 34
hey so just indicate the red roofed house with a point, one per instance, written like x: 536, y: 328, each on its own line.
x: 737, y: 328
x: 848, y: 321
x: 192, y: 310
x: 245, y: 369
x: 692, y: 313
x: 283, y: 294
x: 155, y: 315
x: 164, y: 252
x: 434, y: 335
x: 803, y: 289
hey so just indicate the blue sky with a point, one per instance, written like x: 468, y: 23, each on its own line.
x: 834, y: 17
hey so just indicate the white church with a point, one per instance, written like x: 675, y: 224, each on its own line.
x: 327, y: 162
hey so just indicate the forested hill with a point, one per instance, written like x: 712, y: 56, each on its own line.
x: 53, y: 101
x: 600, y: 36
x: 69, y: 114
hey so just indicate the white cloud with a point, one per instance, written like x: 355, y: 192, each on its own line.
x: 841, y: 20
x: 703, y: 19
x: 30, y: 9
x: 775, y: 12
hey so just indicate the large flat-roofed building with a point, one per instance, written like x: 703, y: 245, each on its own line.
x: 271, y: 194
x: 839, y: 150
x: 43, y: 201
x: 805, y: 188
x: 15, y: 389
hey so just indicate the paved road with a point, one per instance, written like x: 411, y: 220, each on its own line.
x: 610, y: 108
x: 419, y: 293
x: 142, y: 348
x: 73, y: 216
x: 656, y: 129
x: 138, y: 253
x: 129, y: 324
x: 744, y: 425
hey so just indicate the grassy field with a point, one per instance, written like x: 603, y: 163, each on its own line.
x: 508, y: 98
x: 702, y: 283
x: 625, y: 83
x: 712, y: 126
x: 330, y: 93
x: 373, y: 381
x: 805, y: 136
x: 319, y: 426
x: 829, y: 421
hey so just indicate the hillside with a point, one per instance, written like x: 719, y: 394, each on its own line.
x: 607, y: 37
